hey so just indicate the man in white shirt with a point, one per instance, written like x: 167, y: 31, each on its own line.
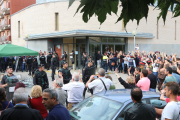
x: 100, y: 84
x: 172, y: 109
x: 75, y: 91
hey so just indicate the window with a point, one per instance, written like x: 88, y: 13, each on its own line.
x: 56, y: 21
x: 18, y: 29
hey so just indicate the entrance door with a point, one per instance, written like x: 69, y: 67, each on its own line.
x: 108, y: 48
x: 79, y: 50
x: 68, y: 49
x: 58, y: 50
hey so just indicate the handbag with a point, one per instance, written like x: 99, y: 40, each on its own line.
x: 113, y: 63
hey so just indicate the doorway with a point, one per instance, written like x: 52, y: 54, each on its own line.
x: 79, y: 50
x: 68, y: 49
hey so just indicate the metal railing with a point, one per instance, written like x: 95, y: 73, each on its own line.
x: 5, y: 6
x: 3, y: 38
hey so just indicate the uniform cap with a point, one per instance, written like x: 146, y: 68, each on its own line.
x: 8, y: 67
x: 60, y: 70
x: 64, y: 63
x: 39, y: 66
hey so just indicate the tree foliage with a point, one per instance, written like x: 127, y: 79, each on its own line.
x: 131, y: 9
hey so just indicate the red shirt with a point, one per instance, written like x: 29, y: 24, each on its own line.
x: 36, y: 103
x: 178, y: 98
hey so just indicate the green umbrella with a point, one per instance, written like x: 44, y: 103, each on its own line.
x: 14, y: 50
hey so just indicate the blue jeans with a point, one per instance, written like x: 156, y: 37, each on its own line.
x: 105, y: 66
x: 123, y: 66
x: 24, y: 66
x: 156, y: 74
x: 151, y: 89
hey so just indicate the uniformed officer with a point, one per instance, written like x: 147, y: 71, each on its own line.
x: 86, y: 75
x: 49, y: 60
x: 57, y: 59
x: 29, y: 63
x: 43, y: 59
x: 66, y: 74
x: 53, y: 66
x: 40, y: 78
x: 20, y: 62
x: 62, y: 61
x: 2, y: 62
x: 84, y: 59
x: 34, y: 64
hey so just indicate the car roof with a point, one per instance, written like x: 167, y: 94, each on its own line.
x: 123, y: 95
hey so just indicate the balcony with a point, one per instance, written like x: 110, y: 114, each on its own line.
x: 5, y: 7
x: 1, y: 28
x: 8, y: 38
x: 6, y: 23
x: 1, y: 15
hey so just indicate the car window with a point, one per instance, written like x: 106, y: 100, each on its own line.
x: 121, y: 116
x: 153, y: 99
x: 95, y: 108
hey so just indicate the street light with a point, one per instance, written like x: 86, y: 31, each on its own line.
x: 134, y: 33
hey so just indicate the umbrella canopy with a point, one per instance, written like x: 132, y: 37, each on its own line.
x: 14, y: 50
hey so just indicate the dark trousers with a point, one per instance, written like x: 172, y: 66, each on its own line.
x: 120, y: 68
x: 48, y: 65
x: 30, y: 68
x: 84, y: 92
x: 53, y: 72
x: 125, y: 68
x: 132, y: 70
x: 3, y: 67
x: 105, y: 66
x: 20, y: 66
x: 58, y: 65
x: 34, y: 67
x: 10, y: 64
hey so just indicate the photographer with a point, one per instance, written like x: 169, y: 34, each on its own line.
x: 99, y: 84
x: 155, y: 66
x: 8, y: 82
x: 40, y: 78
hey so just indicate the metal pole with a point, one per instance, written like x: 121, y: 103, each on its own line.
x: 134, y: 41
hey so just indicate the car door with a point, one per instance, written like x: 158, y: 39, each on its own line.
x: 121, y: 115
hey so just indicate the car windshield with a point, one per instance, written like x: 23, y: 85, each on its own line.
x: 95, y: 108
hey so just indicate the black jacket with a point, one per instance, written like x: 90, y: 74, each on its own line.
x: 66, y: 75
x: 126, y: 85
x: 21, y: 112
x: 85, y: 74
x: 40, y: 78
x: 140, y: 111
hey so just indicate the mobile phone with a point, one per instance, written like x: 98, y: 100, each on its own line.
x: 95, y: 77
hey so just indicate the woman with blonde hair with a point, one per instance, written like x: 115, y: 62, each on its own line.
x: 36, y: 101
x: 130, y: 81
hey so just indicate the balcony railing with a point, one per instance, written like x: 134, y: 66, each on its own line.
x: 8, y: 38
x: 3, y: 38
x: 5, y: 7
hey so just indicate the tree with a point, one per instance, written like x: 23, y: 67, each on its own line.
x: 131, y: 9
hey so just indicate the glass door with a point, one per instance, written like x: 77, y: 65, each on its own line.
x: 79, y: 50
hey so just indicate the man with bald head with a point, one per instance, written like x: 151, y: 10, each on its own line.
x: 140, y: 110
x: 75, y: 91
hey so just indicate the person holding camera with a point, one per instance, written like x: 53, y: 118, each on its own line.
x: 155, y: 66
x: 9, y: 82
x: 99, y: 84
x: 40, y: 78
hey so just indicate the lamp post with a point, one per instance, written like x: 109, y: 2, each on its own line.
x: 134, y: 33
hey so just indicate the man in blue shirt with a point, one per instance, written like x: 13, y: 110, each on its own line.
x: 51, y: 103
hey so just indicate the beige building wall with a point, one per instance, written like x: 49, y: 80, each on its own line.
x: 40, y: 18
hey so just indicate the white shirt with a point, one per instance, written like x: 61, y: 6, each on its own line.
x: 171, y: 111
x: 75, y: 91
x: 155, y: 69
x: 98, y: 86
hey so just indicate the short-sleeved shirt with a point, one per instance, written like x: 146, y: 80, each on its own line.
x: 98, y: 86
x: 177, y: 77
x: 144, y: 84
x: 152, y: 78
x: 169, y: 79
x: 171, y: 111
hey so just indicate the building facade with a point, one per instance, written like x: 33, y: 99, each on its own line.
x: 5, y: 22
x: 49, y: 25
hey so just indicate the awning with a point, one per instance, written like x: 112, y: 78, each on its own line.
x: 75, y: 33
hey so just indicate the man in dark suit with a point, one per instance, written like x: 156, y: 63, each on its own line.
x: 21, y: 111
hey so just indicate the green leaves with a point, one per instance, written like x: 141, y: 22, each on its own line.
x: 131, y: 9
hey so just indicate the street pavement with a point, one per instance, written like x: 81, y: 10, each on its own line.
x: 115, y: 80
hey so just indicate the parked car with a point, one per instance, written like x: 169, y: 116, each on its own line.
x: 109, y: 105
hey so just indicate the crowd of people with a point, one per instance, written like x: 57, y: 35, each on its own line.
x: 147, y: 71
